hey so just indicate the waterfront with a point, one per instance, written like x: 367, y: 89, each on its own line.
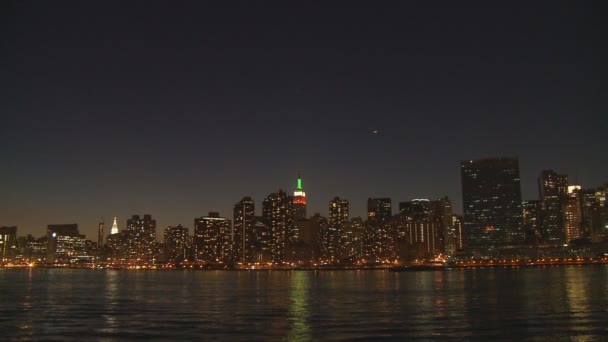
x: 561, y: 302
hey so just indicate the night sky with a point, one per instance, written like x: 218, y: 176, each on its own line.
x: 178, y: 108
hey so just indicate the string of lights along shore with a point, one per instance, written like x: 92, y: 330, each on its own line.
x: 566, y: 221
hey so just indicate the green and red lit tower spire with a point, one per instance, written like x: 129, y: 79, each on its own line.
x: 299, y: 201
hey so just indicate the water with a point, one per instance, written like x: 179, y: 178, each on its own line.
x: 538, y: 304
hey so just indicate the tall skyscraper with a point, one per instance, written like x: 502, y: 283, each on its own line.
x: 357, y: 226
x: 531, y: 220
x: 244, y: 233
x: 8, y: 243
x: 140, y: 238
x: 334, y: 238
x: 277, y: 211
x: 572, y: 214
x: 114, y: 229
x: 212, y: 238
x: 595, y: 213
x: 176, y: 240
x: 553, y: 189
x: 299, y: 211
x: 457, y: 230
x: 261, y: 240
x: 380, y: 235
x: 100, y: 235
x: 491, y: 197
x: 299, y: 201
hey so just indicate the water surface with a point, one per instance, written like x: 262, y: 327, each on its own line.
x: 538, y: 304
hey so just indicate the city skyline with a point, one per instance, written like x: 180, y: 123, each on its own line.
x: 117, y: 221
x: 114, y: 109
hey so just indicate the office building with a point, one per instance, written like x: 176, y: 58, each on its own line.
x: 177, y: 242
x: 552, y: 190
x: 140, y: 239
x: 64, y: 243
x: 244, y: 234
x: 277, y: 211
x: 334, y: 239
x: 380, y: 236
x: 8, y: 243
x: 491, y: 197
x: 572, y: 214
x: 213, y: 239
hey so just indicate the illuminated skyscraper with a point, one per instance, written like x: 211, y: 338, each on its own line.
x: 595, y: 213
x: 553, y: 189
x: 357, y: 248
x: 299, y: 201
x: 140, y: 238
x: 380, y: 237
x: 531, y: 220
x: 572, y: 214
x: 277, y: 211
x: 8, y: 243
x: 333, y: 237
x: 422, y: 225
x: 299, y: 211
x: 244, y: 233
x: 177, y: 240
x: 212, y: 238
x: 114, y: 229
x: 491, y: 197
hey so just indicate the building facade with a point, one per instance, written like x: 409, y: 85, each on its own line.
x: 245, y: 244
x: 491, y: 197
x: 277, y: 211
x: 380, y: 235
x: 213, y: 239
x: 553, y: 189
x: 177, y: 243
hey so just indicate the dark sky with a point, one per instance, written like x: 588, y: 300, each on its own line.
x: 178, y: 108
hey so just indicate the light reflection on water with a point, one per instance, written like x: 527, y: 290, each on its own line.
x: 562, y: 303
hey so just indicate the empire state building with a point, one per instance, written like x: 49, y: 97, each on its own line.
x: 299, y: 202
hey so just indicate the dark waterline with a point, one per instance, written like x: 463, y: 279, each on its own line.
x: 559, y: 303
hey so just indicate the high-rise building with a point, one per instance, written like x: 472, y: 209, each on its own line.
x: 310, y: 236
x: 299, y: 210
x: 531, y: 211
x: 595, y: 213
x: 572, y: 214
x: 213, y: 238
x: 491, y: 197
x: 299, y: 201
x: 244, y: 234
x: 277, y: 211
x: 334, y: 238
x: 8, y: 243
x: 100, y: 235
x: 357, y: 226
x: 553, y: 189
x: 64, y: 242
x: 421, y: 226
x: 176, y: 239
x: 457, y: 230
x: 140, y: 239
x: 380, y: 235
x: 114, y: 229
x: 261, y: 240
x: 116, y: 244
